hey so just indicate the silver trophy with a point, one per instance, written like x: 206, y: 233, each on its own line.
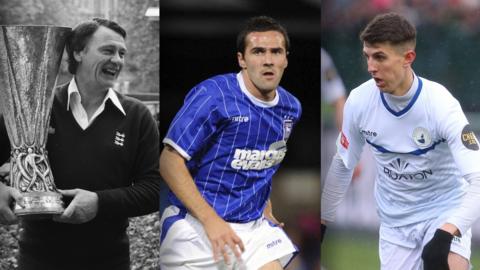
x: 30, y: 58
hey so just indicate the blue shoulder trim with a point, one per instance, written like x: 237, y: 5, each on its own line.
x: 410, y: 104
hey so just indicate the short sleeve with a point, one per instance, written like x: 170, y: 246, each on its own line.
x: 193, y: 123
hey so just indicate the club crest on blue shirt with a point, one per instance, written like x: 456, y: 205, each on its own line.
x: 287, y: 128
x: 422, y: 137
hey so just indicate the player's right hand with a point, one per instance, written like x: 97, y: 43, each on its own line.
x: 222, y: 238
x: 8, y: 195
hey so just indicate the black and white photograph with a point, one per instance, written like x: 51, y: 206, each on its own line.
x: 79, y: 134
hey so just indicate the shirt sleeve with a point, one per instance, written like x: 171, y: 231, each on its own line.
x: 336, y: 186
x: 454, y: 127
x: 350, y: 142
x: 194, y: 123
x: 469, y: 210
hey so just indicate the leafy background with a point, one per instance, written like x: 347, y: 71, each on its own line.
x: 142, y: 63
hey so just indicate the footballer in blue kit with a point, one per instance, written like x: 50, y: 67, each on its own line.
x: 221, y: 151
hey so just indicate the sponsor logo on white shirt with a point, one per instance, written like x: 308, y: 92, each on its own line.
x: 397, y: 171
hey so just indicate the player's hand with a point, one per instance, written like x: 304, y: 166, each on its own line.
x: 322, y: 232
x: 223, y: 239
x: 8, y: 197
x: 82, y: 208
x: 435, y: 252
x: 268, y: 213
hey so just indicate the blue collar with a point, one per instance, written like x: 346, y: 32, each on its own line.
x: 410, y: 104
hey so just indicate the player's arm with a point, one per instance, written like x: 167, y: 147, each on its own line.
x: 465, y: 149
x: 469, y: 210
x: 435, y: 253
x: 349, y: 148
x: 336, y: 185
x: 175, y: 173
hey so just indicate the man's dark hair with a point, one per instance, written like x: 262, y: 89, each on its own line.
x: 82, y: 33
x: 389, y: 27
x: 260, y: 24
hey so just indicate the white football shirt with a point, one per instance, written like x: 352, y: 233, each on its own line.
x: 421, y: 151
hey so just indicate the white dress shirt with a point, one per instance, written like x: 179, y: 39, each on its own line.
x: 74, y: 103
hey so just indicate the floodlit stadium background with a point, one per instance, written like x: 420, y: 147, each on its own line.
x: 198, y: 40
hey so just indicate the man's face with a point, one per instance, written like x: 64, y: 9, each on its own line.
x: 264, y: 61
x: 389, y: 66
x: 101, y: 61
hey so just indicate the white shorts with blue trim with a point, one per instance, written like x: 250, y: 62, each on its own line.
x: 184, y: 244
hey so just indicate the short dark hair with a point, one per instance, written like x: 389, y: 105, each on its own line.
x: 82, y: 33
x: 260, y: 24
x: 389, y: 27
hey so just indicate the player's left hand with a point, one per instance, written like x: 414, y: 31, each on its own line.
x: 268, y: 213
x: 435, y: 252
x: 82, y: 208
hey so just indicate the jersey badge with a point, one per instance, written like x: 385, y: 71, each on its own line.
x: 469, y: 139
x: 422, y: 137
x: 287, y: 128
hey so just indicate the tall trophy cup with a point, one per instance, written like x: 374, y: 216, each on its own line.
x: 30, y: 58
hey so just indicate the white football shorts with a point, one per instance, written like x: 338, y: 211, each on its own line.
x: 400, y: 248
x: 184, y: 244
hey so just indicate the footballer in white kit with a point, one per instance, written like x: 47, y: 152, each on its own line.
x: 416, y: 150
x: 425, y: 153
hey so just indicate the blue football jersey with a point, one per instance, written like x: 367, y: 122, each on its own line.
x: 233, y: 143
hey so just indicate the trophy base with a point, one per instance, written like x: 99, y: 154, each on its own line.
x: 39, y: 205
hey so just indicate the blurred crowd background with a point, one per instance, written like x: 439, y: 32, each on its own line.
x: 448, y: 39
x: 447, y: 42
